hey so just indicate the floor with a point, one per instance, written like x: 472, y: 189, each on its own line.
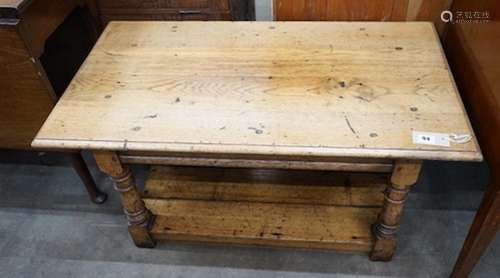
x: 48, y: 228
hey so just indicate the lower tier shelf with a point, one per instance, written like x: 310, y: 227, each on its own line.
x: 266, y: 186
x: 287, y: 225
x: 302, y: 209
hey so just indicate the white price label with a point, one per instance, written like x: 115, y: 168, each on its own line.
x: 431, y: 138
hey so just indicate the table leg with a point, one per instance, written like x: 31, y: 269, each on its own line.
x: 404, y: 175
x: 96, y: 195
x: 138, y: 216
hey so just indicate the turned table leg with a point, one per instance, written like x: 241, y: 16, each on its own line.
x: 96, y: 195
x: 404, y: 175
x: 138, y: 216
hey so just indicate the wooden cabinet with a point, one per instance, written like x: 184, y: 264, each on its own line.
x: 26, y: 94
x: 360, y: 10
x: 472, y: 50
x: 164, y: 4
x: 29, y: 79
x: 164, y: 10
x: 24, y: 97
x: 332, y: 9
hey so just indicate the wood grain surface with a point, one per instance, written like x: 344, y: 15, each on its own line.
x: 266, y: 186
x: 25, y: 96
x: 361, y: 10
x: 475, y: 60
x: 287, y: 225
x: 280, y: 88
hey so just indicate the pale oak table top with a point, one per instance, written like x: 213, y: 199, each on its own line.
x: 333, y: 89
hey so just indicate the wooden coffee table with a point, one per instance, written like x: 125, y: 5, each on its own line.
x: 303, y: 134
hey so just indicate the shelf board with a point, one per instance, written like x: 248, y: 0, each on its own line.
x: 270, y: 224
x: 304, y: 209
x: 267, y: 186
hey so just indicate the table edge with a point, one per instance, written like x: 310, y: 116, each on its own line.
x: 445, y: 155
x: 326, y: 151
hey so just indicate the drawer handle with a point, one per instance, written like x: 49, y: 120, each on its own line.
x: 183, y: 12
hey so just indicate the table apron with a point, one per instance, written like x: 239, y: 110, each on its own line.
x: 350, y: 166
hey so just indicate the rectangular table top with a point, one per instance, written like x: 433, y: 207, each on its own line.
x: 333, y: 89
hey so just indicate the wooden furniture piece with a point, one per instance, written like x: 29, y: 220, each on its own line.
x: 341, y: 97
x: 26, y: 94
x: 357, y: 10
x: 173, y: 10
x: 472, y: 49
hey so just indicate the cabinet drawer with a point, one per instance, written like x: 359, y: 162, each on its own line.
x: 128, y: 4
x: 187, y: 15
x: 185, y: 4
x: 164, y: 4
